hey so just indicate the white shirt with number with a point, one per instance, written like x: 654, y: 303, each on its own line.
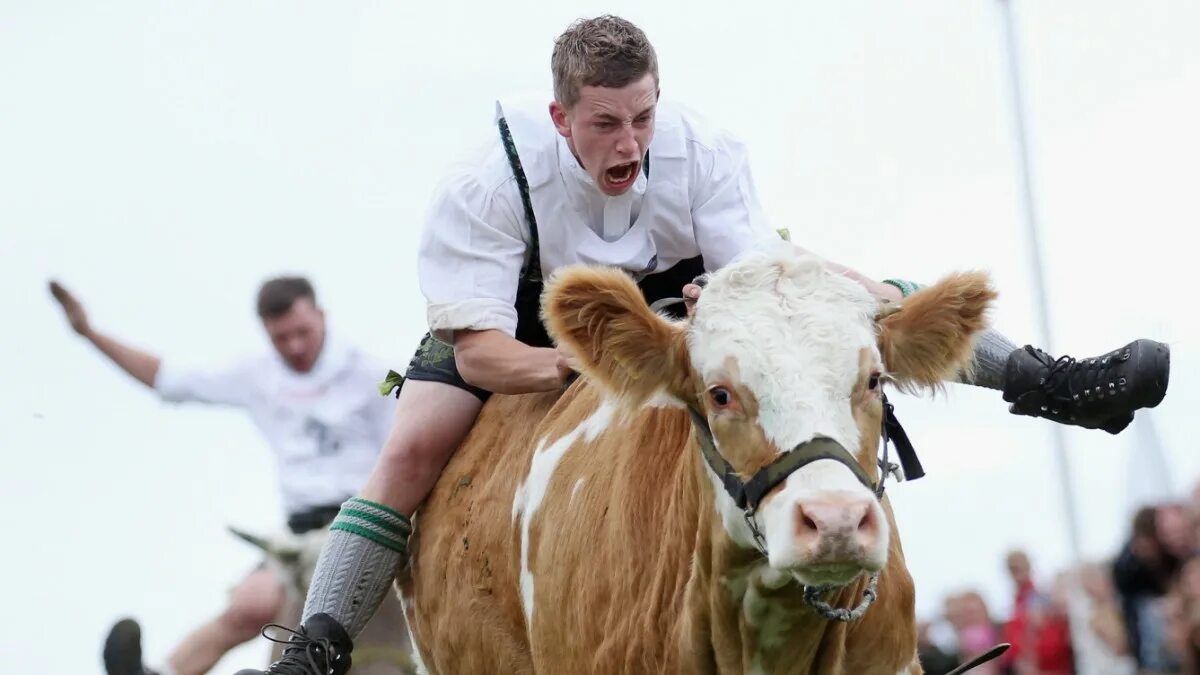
x: 698, y: 199
x: 326, y: 427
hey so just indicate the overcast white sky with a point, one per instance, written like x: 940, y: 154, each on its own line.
x: 162, y: 158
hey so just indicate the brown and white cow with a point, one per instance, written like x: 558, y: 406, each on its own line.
x: 586, y: 534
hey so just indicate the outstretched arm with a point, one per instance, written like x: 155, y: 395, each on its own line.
x: 878, y: 289
x: 886, y: 292
x: 143, y: 366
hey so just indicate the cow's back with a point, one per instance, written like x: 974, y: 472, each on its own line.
x: 608, y: 535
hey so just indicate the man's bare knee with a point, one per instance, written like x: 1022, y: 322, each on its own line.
x: 431, y: 420
x: 254, y: 603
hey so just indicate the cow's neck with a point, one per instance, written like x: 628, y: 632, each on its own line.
x: 745, y: 617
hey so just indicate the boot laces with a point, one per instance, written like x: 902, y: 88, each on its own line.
x: 304, y: 655
x: 1077, y: 376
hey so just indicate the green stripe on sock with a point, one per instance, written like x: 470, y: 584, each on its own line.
x: 363, y: 532
x: 358, y: 500
x: 393, y: 527
x: 358, y: 522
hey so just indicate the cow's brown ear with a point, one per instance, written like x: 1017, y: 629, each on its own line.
x: 932, y: 338
x: 600, y: 315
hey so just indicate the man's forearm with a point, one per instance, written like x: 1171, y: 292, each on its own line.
x: 496, y: 362
x: 878, y: 289
x: 143, y: 366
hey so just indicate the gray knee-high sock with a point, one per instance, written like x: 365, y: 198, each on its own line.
x: 367, y: 545
x: 991, y: 356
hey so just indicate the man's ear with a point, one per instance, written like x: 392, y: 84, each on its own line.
x: 558, y: 115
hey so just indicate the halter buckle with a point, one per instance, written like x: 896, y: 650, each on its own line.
x: 893, y: 469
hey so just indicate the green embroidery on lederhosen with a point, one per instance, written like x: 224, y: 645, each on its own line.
x: 432, y: 355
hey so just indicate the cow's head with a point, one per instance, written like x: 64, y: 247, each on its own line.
x: 779, y: 350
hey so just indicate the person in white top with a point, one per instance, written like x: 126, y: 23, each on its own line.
x: 316, y: 401
x: 604, y: 174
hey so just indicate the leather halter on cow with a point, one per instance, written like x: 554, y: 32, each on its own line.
x: 749, y: 494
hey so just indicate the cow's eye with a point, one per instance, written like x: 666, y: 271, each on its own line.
x: 721, y: 397
x: 873, y: 382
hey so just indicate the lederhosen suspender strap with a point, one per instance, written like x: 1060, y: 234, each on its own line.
x: 533, y: 268
x: 529, y: 287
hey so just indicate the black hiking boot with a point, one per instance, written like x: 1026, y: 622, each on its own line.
x: 320, y: 647
x: 1096, y: 393
x: 123, y: 650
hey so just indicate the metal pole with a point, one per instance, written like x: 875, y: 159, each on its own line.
x: 1039, y: 277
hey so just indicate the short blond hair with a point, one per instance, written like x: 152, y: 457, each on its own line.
x: 606, y: 51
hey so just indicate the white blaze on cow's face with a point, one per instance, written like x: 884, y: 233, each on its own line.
x: 785, y: 351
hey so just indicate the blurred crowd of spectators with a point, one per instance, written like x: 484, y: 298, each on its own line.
x: 1135, y: 614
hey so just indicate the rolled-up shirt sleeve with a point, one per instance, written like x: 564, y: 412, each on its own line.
x: 222, y: 385
x: 472, y: 250
x: 726, y: 214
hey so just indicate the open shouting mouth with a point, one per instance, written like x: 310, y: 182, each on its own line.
x: 618, y: 178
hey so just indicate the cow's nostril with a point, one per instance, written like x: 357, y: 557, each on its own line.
x: 867, y: 522
x: 808, y: 523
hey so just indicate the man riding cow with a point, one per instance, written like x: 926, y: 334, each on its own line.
x: 605, y: 174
